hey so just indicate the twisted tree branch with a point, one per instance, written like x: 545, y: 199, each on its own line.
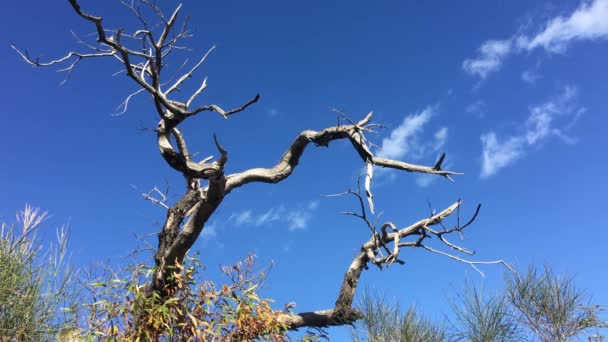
x: 291, y: 157
x: 186, y: 219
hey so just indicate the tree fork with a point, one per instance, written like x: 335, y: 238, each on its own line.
x: 186, y: 219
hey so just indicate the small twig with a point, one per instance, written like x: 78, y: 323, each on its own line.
x: 150, y: 197
x: 125, y: 103
x: 468, y: 262
x: 219, y: 110
x: 187, y: 75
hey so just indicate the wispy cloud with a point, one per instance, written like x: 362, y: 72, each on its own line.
x: 407, y: 141
x: 400, y: 141
x: 293, y: 218
x: 312, y: 205
x: 243, y: 217
x: 476, y: 108
x: 441, y: 136
x: 271, y: 215
x: 530, y: 76
x: 541, y: 124
x: 496, y: 156
x: 297, y: 219
x: 489, y: 59
x: 588, y: 22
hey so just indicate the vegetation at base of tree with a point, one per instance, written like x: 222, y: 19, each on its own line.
x: 166, y: 301
x: 147, y: 56
x: 384, y: 321
x: 189, y: 310
x: 42, y: 299
x: 37, y: 298
x: 480, y: 318
x: 552, y: 307
x: 537, y: 305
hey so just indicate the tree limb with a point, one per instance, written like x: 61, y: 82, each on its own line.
x: 343, y: 311
x: 187, y: 218
x: 291, y: 157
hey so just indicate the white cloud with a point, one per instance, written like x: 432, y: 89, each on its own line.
x: 491, y: 55
x: 588, y: 22
x: 540, y: 125
x: 293, y: 218
x: 297, y: 219
x: 312, y: 205
x: 441, y: 136
x: 496, y: 156
x: 407, y: 141
x: 270, y: 215
x: 399, y: 143
x: 530, y: 76
x: 243, y: 217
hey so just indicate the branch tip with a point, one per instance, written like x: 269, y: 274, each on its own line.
x: 437, y: 166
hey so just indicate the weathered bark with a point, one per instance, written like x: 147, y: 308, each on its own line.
x: 174, y: 244
x: 186, y: 219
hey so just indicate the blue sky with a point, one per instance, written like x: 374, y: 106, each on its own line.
x: 513, y: 91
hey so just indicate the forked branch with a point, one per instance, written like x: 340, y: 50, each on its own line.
x: 353, y: 133
x: 142, y: 58
x: 371, y: 251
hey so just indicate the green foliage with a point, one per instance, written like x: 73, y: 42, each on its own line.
x: 37, y: 299
x: 40, y: 300
x: 383, y: 321
x: 480, y: 319
x: 552, y: 307
x: 126, y: 310
x: 536, y: 306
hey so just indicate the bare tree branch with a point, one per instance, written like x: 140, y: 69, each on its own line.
x: 189, y: 73
x: 343, y: 312
x: 168, y: 26
x: 471, y: 263
x: 291, y: 157
x: 157, y: 197
x: 142, y: 57
x: 125, y: 104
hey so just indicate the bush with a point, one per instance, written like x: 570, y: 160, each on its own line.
x: 552, y: 307
x: 37, y: 299
x: 125, y: 310
x: 536, y: 306
x: 383, y: 321
x: 482, y: 318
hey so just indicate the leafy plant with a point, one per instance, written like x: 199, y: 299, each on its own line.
x: 37, y: 296
x: 126, y: 310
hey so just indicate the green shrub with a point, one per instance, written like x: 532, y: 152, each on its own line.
x: 37, y: 299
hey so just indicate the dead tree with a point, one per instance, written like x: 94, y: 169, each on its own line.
x: 142, y: 55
